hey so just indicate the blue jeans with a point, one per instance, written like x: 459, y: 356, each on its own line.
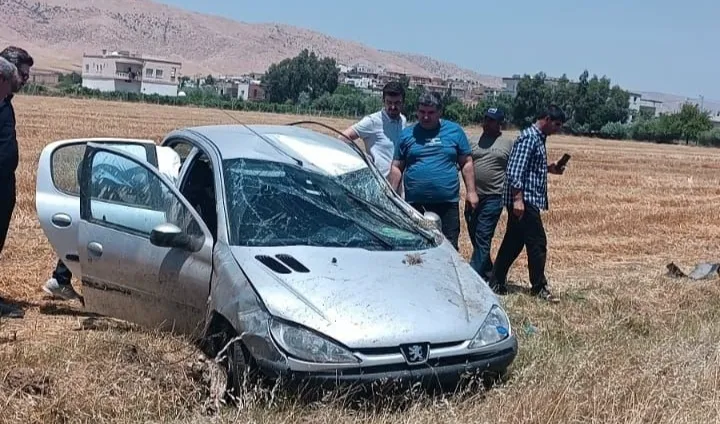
x: 481, y: 225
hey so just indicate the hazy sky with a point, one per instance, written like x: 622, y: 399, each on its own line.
x: 648, y: 45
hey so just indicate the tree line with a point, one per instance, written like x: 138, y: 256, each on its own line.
x: 594, y: 106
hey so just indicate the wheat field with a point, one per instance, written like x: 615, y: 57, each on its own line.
x: 626, y: 344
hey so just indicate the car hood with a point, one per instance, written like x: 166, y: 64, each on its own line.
x: 368, y: 299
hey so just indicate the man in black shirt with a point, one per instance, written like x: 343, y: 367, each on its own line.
x: 9, y: 156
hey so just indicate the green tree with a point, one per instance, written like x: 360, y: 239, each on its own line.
x: 692, y: 122
x: 533, y: 94
x: 304, y: 73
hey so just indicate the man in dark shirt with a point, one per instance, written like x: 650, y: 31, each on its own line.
x: 490, y: 155
x: 9, y: 156
x: 525, y: 195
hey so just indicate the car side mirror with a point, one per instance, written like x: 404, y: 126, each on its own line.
x: 434, y: 219
x: 170, y: 235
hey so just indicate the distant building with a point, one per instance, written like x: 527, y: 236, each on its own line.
x: 251, y: 91
x: 43, y: 77
x: 127, y: 72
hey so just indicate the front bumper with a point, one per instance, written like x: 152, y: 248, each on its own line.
x: 440, y: 370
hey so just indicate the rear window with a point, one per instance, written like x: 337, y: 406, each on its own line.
x: 65, y: 164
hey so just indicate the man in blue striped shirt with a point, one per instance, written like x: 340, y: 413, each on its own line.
x: 525, y: 195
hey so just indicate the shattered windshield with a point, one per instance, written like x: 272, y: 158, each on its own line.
x: 279, y: 204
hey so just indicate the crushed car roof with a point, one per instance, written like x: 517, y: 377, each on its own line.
x: 280, y: 143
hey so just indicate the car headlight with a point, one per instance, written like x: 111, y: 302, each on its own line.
x: 496, y: 328
x: 308, y: 346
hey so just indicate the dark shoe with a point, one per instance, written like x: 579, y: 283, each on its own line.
x: 544, y: 294
x: 498, y: 288
x: 10, y: 311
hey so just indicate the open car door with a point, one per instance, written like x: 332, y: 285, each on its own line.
x: 145, y: 253
x: 57, y: 192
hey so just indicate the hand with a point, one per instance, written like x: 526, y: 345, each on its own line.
x: 554, y: 169
x: 518, y: 208
x: 472, y: 200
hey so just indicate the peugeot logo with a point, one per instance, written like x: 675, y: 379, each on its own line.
x: 415, y: 353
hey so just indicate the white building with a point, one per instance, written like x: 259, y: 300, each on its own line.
x: 130, y: 73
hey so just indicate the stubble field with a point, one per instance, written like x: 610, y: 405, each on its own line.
x: 625, y: 344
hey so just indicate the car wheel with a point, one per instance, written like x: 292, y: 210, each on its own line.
x: 236, y: 367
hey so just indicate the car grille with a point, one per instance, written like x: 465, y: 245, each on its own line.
x: 396, y: 349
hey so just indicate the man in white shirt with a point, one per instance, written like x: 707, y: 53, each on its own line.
x: 381, y: 130
x: 58, y: 286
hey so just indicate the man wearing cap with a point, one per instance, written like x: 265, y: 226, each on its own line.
x: 490, y: 156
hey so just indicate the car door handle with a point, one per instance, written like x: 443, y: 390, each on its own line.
x: 61, y: 220
x: 95, y: 248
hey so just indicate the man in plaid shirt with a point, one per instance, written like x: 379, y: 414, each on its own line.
x: 525, y: 195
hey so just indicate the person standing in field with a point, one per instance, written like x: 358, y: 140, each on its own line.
x: 380, y: 131
x: 427, y: 159
x: 490, y: 156
x: 9, y: 78
x: 525, y: 196
x: 9, y: 156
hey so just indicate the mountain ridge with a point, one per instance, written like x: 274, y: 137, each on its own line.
x: 58, y: 32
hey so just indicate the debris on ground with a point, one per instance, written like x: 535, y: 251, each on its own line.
x: 211, y: 376
x: 28, y: 381
x: 413, y: 259
x: 106, y: 324
x: 702, y: 271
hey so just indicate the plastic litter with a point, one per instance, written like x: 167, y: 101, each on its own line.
x: 702, y: 271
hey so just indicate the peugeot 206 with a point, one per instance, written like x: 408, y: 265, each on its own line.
x: 277, y: 245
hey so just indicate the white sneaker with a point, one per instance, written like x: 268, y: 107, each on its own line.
x: 64, y: 292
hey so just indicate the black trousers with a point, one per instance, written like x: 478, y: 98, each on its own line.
x: 449, y: 213
x: 526, y: 232
x: 7, y: 205
x: 62, y: 274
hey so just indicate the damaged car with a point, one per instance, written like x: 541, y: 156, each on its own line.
x: 279, y: 246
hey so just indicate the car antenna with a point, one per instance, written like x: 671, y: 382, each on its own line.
x: 268, y: 141
x: 348, y: 142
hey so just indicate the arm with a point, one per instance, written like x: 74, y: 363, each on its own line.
x: 361, y: 129
x: 517, y: 163
x: 398, y: 164
x: 467, y: 168
x: 349, y: 133
x: 516, y: 170
x: 396, y: 170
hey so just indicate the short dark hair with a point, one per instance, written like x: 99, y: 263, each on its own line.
x: 554, y: 113
x: 393, y: 88
x: 430, y: 99
x: 18, y: 56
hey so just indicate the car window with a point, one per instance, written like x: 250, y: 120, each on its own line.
x: 129, y: 197
x: 182, y: 148
x: 65, y: 164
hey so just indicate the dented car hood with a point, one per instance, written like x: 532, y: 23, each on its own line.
x: 367, y: 299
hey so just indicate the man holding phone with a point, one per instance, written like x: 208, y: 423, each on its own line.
x: 525, y: 195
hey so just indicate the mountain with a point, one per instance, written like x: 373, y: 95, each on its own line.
x: 58, y: 32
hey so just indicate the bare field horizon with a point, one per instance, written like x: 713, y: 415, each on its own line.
x: 626, y: 344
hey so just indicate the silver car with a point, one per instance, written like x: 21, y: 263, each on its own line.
x: 279, y: 245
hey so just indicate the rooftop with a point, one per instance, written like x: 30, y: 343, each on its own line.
x: 124, y: 54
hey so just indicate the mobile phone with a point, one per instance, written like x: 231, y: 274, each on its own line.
x: 563, y: 160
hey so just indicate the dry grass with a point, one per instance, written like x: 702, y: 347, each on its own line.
x: 624, y: 345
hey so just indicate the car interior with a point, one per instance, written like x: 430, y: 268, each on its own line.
x: 199, y: 189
